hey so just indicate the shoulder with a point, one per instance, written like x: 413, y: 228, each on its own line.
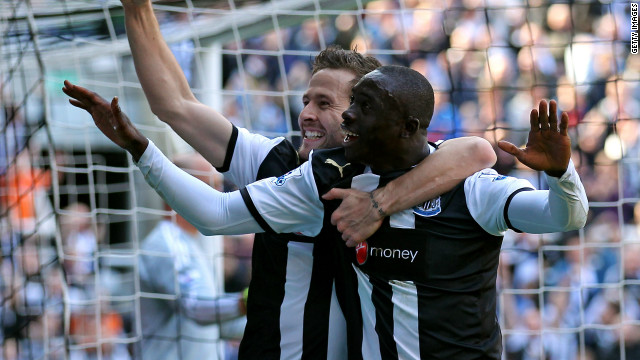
x: 331, y: 167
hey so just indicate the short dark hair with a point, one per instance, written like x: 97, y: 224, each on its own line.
x: 414, y: 92
x: 335, y: 57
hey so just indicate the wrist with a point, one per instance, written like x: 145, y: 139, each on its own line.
x: 137, y: 148
x: 556, y: 173
x: 377, y: 207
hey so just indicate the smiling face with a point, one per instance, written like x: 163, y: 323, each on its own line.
x: 324, y: 101
x: 373, y: 125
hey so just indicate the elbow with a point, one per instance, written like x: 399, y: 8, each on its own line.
x: 206, y: 230
x: 483, y: 152
x: 578, y: 221
x: 170, y: 111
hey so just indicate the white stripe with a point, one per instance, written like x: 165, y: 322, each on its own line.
x: 296, y: 290
x: 404, y: 219
x: 365, y: 182
x: 405, y: 319
x: 370, y: 340
x: 337, y: 346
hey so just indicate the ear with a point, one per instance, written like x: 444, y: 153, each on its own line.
x: 411, y: 126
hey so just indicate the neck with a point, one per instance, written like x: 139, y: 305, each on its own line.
x: 400, y: 159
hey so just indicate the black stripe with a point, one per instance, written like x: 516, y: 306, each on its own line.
x: 230, y: 148
x: 381, y: 299
x: 254, y: 212
x: 315, y: 339
x: 506, y: 208
x: 261, y: 338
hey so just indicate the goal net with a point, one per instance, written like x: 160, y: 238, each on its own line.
x: 75, y: 211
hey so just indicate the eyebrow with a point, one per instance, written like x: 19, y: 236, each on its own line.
x: 365, y: 94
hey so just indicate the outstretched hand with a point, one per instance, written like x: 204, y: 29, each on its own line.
x: 355, y: 218
x: 109, y: 118
x: 548, y: 147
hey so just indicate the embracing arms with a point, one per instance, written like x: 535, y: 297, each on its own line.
x: 548, y: 149
x: 441, y: 171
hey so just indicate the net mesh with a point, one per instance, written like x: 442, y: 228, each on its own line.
x: 75, y: 211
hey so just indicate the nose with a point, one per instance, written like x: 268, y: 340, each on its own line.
x: 308, y: 114
x: 348, y: 115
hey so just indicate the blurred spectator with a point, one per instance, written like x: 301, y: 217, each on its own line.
x: 184, y: 312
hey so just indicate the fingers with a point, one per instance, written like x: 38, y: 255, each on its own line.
x: 116, y: 110
x: 553, y: 115
x: 351, y: 240
x: 88, y: 97
x: 543, y: 117
x: 564, y: 124
x: 78, y: 104
x: 335, y: 194
x: 509, y: 148
x: 533, y: 120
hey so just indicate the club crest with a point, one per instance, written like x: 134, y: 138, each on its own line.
x: 429, y: 208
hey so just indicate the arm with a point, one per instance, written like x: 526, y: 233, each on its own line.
x: 210, y: 211
x: 167, y: 89
x: 167, y: 259
x: 500, y: 202
x: 212, y: 310
x: 561, y: 208
x: 565, y: 206
x: 455, y: 160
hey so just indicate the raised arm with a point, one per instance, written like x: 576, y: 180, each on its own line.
x: 564, y: 207
x: 167, y: 89
x: 210, y: 211
x: 500, y: 202
x: 360, y: 214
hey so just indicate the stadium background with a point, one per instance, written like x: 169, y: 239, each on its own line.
x: 74, y: 208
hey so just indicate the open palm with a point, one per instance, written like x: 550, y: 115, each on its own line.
x: 109, y: 118
x: 548, y: 147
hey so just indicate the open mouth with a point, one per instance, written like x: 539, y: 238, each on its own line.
x: 313, y: 135
x: 349, y: 136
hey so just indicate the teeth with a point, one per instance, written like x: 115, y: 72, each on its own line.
x: 349, y: 135
x: 313, y: 135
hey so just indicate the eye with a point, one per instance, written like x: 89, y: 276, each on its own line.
x: 305, y: 102
x: 324, y: 103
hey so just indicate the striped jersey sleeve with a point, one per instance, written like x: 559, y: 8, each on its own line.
x: 488, y: 195
x: 251, y: 157
x: 287, y: 204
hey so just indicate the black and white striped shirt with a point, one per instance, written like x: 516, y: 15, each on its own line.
x: 426, y: 279
x: 291, y: 277
x: 425, y: 283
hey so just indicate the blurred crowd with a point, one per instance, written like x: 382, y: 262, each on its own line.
x: 562, y: 296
